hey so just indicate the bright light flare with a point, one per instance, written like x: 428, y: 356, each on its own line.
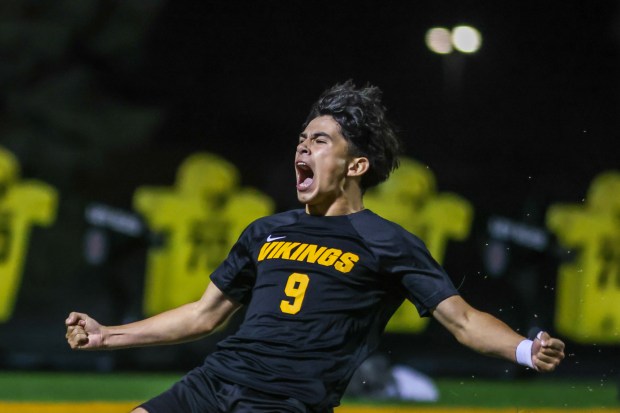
x: 466, y: 39
x: 438, y: 40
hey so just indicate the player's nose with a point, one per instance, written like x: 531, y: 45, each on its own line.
x: 302, y: 148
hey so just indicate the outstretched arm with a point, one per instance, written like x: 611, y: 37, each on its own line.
x: 186, y: 323
x: 488, y: 335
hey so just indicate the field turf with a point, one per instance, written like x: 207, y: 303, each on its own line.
x: 25, y: 392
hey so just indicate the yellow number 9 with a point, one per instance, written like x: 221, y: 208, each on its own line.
x: 295, y: 288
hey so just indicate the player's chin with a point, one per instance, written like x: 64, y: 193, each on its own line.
x: 304, y: 198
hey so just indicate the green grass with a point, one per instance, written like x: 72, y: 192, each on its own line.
x: 33, y: 386
x: 531, y: 393
x: 30, y: 386
x: 524, y: 394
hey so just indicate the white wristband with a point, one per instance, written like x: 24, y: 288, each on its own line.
x: 524, y: 353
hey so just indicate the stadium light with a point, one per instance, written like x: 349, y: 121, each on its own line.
x: 439, y: 40
x: 466, y: 39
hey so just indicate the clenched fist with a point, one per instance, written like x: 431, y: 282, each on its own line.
x: 547, y: 352
x: 83, y: 332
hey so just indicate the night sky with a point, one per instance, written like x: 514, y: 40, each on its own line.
x: 533, y: 114
x: 531, y: 117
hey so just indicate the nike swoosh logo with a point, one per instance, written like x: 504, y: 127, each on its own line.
x: 270, y: 238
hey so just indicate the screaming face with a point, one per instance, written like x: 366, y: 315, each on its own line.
x: 322, y: 162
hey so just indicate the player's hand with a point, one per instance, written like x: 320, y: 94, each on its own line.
x: 83, y: 332
x: 547, y: 352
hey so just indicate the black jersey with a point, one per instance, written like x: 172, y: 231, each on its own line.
x: 319, y: 292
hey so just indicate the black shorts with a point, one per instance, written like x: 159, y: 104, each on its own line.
x: 201, y: 392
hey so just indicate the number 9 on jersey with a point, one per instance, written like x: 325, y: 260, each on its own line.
x: 295, y: 289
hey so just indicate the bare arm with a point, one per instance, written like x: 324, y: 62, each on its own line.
x: 185, y: 323
x: 488, y: 335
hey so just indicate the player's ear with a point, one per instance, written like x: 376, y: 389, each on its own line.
x: 358, y: 166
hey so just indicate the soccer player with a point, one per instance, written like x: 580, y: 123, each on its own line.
x: 319, y: 284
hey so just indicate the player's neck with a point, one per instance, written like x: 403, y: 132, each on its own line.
x: 347, y: 203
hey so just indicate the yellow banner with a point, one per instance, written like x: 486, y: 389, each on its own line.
x: 588, y: 286
x: 23, y: 203
x: 195, y: 222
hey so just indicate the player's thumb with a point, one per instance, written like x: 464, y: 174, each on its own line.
x: 538, y: 343
x: 544, y: 338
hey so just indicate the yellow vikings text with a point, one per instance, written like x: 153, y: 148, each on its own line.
x: 311, y: 253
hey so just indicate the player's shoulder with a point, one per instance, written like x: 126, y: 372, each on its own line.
x: 265, y: 225
x: 278, y: 219
x: 374, y: 227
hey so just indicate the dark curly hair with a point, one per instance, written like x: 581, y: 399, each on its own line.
x: 361, y: 117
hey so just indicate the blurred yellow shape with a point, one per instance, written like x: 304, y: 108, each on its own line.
x: 588, y: 287
x: 195, y: 224
x: 23, y: 203
x: 410, y: 199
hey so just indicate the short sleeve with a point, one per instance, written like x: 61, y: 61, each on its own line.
x: 236, y: 275
x: 421, y: 279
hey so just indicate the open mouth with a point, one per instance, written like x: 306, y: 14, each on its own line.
x: 305, y: 176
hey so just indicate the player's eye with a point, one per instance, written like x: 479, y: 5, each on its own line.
x: 319, y: 139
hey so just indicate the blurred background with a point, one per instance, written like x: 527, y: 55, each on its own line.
x: 138, y: 137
